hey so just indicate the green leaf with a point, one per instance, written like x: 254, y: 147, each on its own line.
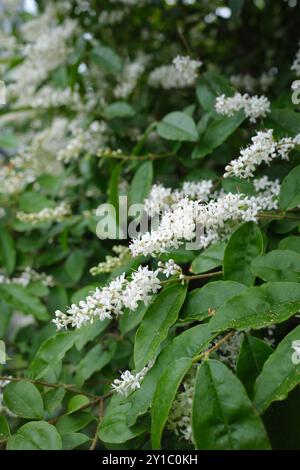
x: 277, y: 265
x: 164, y: 396
x: 93, y: 361
x: 209, y: 259
x: 245, y: 244
x: 286, y: 119
x: 119, y: 109
x: 187, y: 344
x: 24, y: 399
x: 18, y: 297
x: 141, y: 183
x: 35, y: 436
x: 223, y: 417
x: 279, y: 375
x: 128, y: 321
x: 74, y: 422
x: 258, y: 307
x: 107, y: 58
x: 210, y: 85
x: 32, y: 201
x: 114, y: 427
x: 253, y: 354
x: 178, y: 126
x: 73, y: 439
x: 53, y: 399
x: 289, y: 197
x: 4, y: 428
x: 291, y: 243
x: 76, y: 403
x: 50, y: 353
x: 216, y: 133
x: 7, y: 250
x: 202, y: 303
x: 160, y: 316
x: 75, y: 264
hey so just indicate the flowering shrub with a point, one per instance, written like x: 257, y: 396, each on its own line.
x: 184, y: 334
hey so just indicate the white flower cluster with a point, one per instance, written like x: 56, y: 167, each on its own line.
x: 35, y: 159
x: 249, y: 83
x: 49, y: 97
x: 254, y: 107
x: 204, y: 223
x: 112, y: 299
x: 14, y: 181
x: 180, y: 417
x: 264, y: 149
x: 129, y: 382
x: 48, y: 214
x: 181, y: 73
x: 88, y: 140
x: 161, y: 198
x: 119, y: 294
x: 2, y: 212
x: 41, y: 57
x: 112, y: 262
x: 27, y: 276
x: 170, y: 268
x: 296, y: 64
x: 129, y: 78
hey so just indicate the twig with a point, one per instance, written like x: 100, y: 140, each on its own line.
x: 100, y: 416
x: 216, y: 346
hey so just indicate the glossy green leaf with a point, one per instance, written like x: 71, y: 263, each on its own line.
x: 223, y: 417
x: 37, y: 435
x: 24, y: 399
x: 209, y: 259
x: 164, y: 397
x: 18, y: 297
x: 160, y: 316
x: 289, y: 197
x: 141, y: 183
x: 93, y: 361
x: 291, y: 243
x: 277, y: 265
x: 203, y: 302
x: 178, y: 126
x: 50, y: 353
x: 280, y: 373
x: 253, y: 354
x: 216, y: 133
x: 7, y: 250
x: 245, y: 244
x: 258, y: 307
x: 76, y: 403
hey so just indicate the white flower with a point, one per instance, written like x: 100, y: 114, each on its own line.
x: 47, y: 214
x: 181, y: 73
x: 129, y: 78
x: 112, y: 299
x: 253, y: 106
x: 170, y: 268
x: 129, y: 382
x: 263, y: 149
x: 161, y: 198
x: 26, y: 277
